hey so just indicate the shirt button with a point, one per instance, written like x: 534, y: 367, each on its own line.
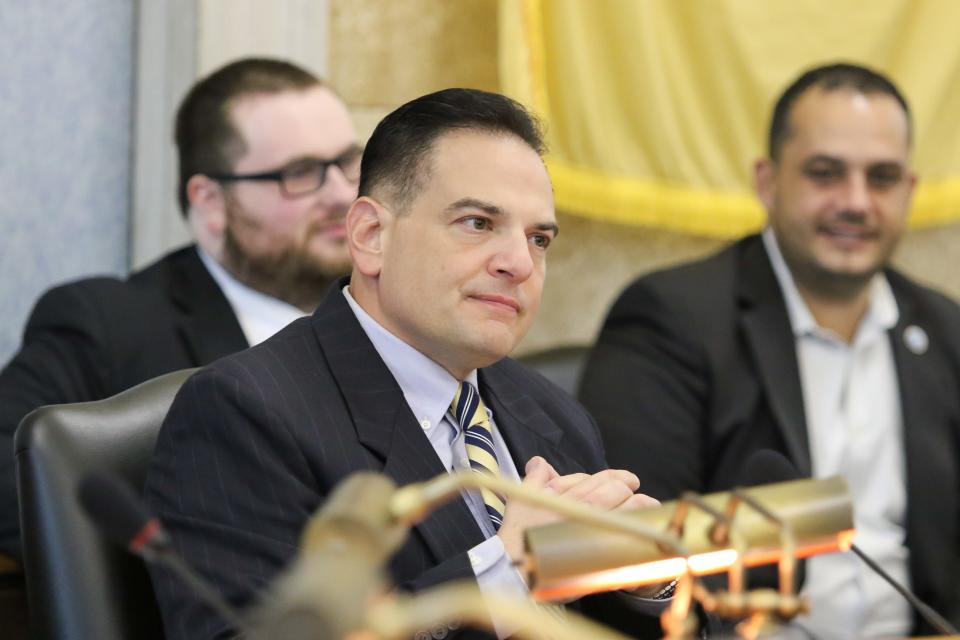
x: 474, y: 558
x: 425, y: 424
x: 464, y: 462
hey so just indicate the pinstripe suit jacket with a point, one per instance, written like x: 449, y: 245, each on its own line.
x: 254, y: 443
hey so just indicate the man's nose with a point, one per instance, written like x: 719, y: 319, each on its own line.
x: 857, y: 196
x: 512, y: 258
x: 337, y: 190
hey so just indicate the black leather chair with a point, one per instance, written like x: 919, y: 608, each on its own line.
x: 80, y: 585
x: 561, y: 365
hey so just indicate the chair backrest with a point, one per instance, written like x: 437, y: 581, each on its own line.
x: 562, y: 366
x: 80, y: 585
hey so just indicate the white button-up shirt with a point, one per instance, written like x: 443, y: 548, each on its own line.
x: 851, y: 397
x: 260, y: 316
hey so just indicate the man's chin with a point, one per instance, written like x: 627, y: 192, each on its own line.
x: 496, y: 345
x: 853, y: 266
x: 327, y: 267
x: 326, y: 257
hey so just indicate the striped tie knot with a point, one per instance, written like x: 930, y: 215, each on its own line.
x: 471, y: 416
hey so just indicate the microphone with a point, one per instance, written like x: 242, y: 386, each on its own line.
x: 116, y: 510
x: 766, y: 466
x: 120, y: 517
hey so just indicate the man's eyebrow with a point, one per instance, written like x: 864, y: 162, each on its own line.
x: 491, y: 209
x: 474, y: 203
x: 822, y: 157
x: 348, y: 150
x: 548, y: 226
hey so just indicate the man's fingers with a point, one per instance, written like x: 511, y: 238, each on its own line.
x: 606, y: 494
x: 562, y: 484
x: 575, y: 481
x: 639, y: 501
x: 578, y: 486
x: 538, y: 472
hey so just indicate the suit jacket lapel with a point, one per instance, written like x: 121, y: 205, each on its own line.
x: 925, y: 430
x: 527, y: 430
x: 766, y: 327
x: 208, y: 323
x: 384, y: 423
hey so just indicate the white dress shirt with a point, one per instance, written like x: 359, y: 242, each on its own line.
x: 855, y: 429
x: 260, y: 316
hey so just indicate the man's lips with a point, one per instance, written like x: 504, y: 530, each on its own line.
x: 504, y: 303
x: 337, y: 230
x: 847, y: 233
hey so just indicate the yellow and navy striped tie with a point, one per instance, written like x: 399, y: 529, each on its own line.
x: 471, y: 415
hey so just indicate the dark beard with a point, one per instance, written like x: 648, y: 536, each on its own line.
x: 838, y: 287
x: 290, y: 276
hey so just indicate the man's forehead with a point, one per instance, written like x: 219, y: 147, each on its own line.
x: 484, y: 166
x: 845, y: 122
x: 296, y: 122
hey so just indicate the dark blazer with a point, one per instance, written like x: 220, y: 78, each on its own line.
x: 254, y: 444
x: 696, y: 367
x: 93, y: 338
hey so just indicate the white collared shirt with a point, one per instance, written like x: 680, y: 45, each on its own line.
x: 260, y: 316
x: 851, y: 397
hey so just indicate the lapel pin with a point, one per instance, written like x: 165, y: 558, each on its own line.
x: 916, y: 339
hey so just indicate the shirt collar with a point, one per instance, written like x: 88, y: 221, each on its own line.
x: 260, y: 316
x: 882, y: 313
x: 427, y: 387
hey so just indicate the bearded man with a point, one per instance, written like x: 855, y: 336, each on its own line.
x: 268, y: 167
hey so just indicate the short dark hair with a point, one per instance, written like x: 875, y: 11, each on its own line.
x: 829, y: 78
x: 396, y: 154
x: 207, y: 142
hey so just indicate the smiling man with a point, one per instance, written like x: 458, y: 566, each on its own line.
x: 401, y: 370
x: 268, y: 165
x: 803, y: 340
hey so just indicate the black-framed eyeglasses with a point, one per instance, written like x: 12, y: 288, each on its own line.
x: 303, y: 176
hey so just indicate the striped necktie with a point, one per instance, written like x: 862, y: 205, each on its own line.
x: 471, y: 415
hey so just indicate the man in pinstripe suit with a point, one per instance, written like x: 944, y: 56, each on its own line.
x: 449, y: 239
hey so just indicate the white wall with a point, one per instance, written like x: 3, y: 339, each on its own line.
x: 65, y: 97
x: 88, y: 92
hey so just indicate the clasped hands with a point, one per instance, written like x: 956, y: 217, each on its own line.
x: 607, y: 490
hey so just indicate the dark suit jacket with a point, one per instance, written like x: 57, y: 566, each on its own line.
x: 696, y: 367
x: 93, y: 338
x: 254, y: 444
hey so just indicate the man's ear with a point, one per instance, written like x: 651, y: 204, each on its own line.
x: 764, y: 179
x: 912, y: 182
x: 367, y: 223
x: 207, y: 205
